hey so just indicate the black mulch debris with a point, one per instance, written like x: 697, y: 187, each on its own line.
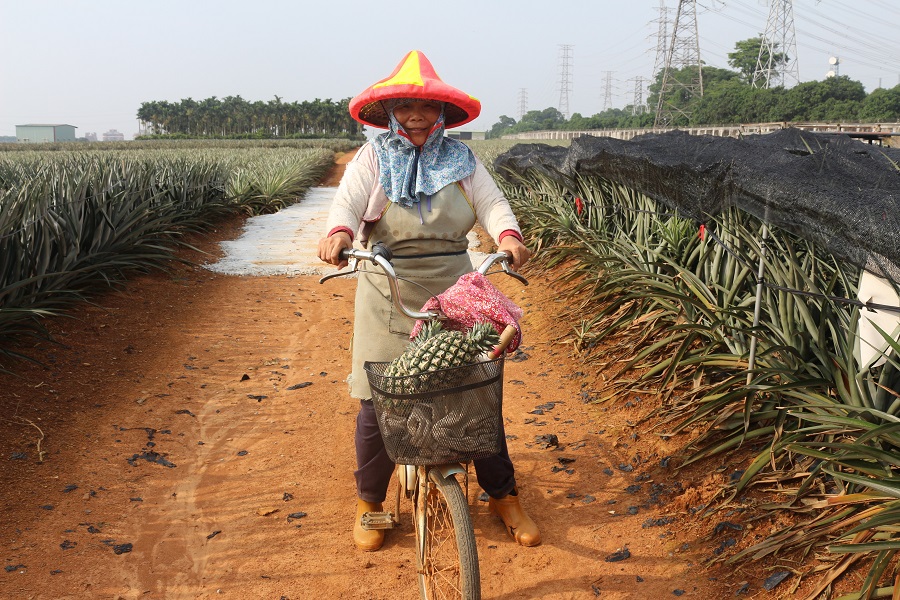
x: 722, y: 526
x: 657, y: 522
x: 150, y: 456
x: 773, y: 580
x: 618, y: 555
x: 547, y: 440
x: 727, y: 543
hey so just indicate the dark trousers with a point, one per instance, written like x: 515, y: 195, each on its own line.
x: 374, y: 467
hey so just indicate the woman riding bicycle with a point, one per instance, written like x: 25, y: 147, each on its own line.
x: 420, y: 193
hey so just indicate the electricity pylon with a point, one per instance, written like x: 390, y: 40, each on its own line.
x: 607, y: 90
x: 565, y: 80
x: 637, y: 101
x: 683, y: 55
x: 523, y: 102
x: 779, y: 38
x: 662, y: 38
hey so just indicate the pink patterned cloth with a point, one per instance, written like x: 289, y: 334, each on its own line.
x: 474, y: 299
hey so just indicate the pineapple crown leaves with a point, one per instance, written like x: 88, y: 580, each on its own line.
x: 431, y: 328
x: 436, y: 348
x: 484, y: 334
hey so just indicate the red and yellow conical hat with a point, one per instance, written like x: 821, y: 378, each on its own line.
x: 414, y: 77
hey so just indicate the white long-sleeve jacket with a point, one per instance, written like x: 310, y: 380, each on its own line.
x: 360, y: 199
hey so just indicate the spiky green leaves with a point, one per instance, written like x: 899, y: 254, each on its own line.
x: 436, y: 349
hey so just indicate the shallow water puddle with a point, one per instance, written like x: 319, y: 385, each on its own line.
x: 285, y: 243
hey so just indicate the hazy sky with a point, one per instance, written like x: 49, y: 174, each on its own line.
x: 91, y: 63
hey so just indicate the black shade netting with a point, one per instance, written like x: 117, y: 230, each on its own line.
x: 444, y: 416
x: 837, y: 192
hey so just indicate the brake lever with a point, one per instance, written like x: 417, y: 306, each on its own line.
x: 353, y: 264
x: 505, y: 266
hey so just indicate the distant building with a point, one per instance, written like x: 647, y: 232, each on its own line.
x: 466, y: 135
x: 90, y: 136
x: 113, y: 136
x: 40, y: 133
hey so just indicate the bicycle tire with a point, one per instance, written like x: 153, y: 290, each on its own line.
x: 446, y: 554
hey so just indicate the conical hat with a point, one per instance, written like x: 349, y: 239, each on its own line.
x: 414, y: 77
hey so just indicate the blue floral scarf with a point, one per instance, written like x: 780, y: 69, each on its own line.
x: 410, y: 174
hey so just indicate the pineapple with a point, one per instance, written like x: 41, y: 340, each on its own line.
x: 400, y: 365
x: 435, y: 348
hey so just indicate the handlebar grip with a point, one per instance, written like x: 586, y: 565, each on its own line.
x: 505, y: 339
x: 379, y: 249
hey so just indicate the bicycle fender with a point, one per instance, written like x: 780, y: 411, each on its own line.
x: 450, y: 469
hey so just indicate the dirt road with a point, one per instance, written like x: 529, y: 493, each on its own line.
x: 191, y: 437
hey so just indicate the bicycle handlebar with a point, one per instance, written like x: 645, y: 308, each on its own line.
x: 381, y: 255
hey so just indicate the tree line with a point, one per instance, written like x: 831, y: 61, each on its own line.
x: 729, y: 98
x: 234, y: 117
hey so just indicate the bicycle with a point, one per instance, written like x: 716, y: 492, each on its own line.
x: 446, y: 553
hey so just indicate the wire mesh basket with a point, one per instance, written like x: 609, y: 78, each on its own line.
x: 449, y: 415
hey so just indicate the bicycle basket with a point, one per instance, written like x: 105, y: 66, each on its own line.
x: 449, y: 415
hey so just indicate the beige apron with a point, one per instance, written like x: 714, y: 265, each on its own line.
x: 416, y: 235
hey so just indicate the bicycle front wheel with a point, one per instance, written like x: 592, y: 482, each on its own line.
x: 447, y: 558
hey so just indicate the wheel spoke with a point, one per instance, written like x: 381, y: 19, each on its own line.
x: 446, y: 569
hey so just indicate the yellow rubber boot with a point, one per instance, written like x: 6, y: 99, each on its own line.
x: 368, y: 540
x: 518, y: 523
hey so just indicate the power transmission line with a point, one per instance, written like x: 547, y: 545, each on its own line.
x: 683, y: 55
x: 778, y: 38
x: 565, y: 81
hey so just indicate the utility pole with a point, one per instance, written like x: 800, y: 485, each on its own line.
x: 637, y: 96
x: 683, y: 54
x: 607, y: 90
x: 523, y: 102
x: 778, y: 38
x: 565, y: 80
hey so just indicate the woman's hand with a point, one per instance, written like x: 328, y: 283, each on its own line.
x: 331, y: 246
x: 517, y: 251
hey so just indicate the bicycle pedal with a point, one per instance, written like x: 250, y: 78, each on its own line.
x: 377, y: 520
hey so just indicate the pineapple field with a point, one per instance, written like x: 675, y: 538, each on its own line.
x: 188, y: 434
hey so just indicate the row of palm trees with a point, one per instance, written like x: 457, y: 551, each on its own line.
x: 233, y: 116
